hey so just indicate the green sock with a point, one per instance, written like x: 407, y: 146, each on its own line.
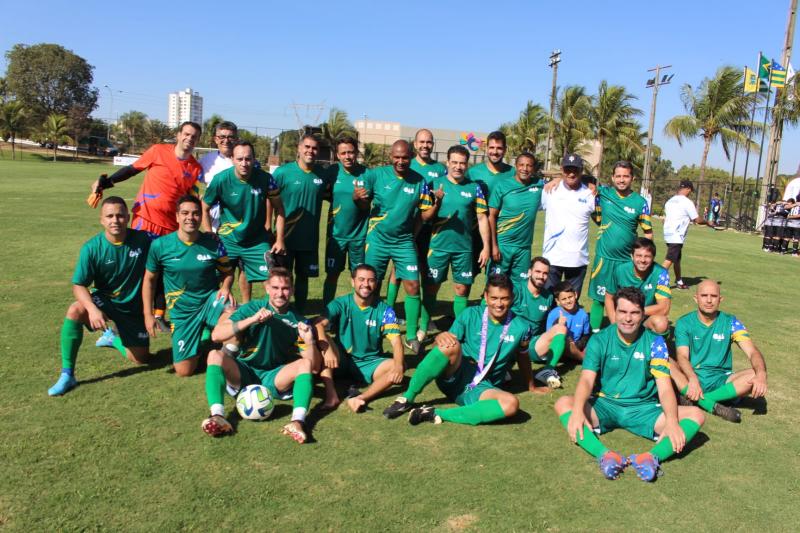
x: 459, y: 304
x: 663, y: 448
x: 428, y: 369
x: 557, y: 348
x: 589, y: 442
x: 596, y: 315
x: 302, y: 390
x: 300, y: 293
x: 481, y: 412
x: 391, y: 293
x: 119, y: 346
x: 328, y: 292
x: 412, y: 305
x: 709, y: 399
x: 428, y: 307
x: 71, y: 338
x: 215, y: 385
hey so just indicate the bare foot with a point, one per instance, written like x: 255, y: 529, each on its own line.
x: 541, y: 390
x: 357, y: 404
x: 295, y: 430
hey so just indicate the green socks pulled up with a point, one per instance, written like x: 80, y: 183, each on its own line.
x: 480, y: 412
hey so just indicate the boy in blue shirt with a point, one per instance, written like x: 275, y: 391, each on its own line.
x: 576, y: 320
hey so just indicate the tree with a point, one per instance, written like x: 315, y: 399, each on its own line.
x: 55, y: 130
x: 156, y: 131
x: 77, y: 125
x: 209, y: 130
x: 375, y: 155
x: 133, y: 126
x: 12, y: 122
x: 528, y: 132
x: 717, y: 109
x: 48, y: 79
x: 337, y: 125
x: 571, y: 124
x: 611, y: 116
x: 287, y: 145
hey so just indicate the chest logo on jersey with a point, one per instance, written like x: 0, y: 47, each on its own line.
x: 533, y: 189
x: 638, y: 356
x: 718, y: 337
x: 630, y: 210
x: 317, y: 181
x: 408, y: 190
x: 204, y: 257
x: 508, y: 338
x: 582, y: 200
x: 543, y: 308
x: 648, y: 287
x: 371, y: 323
x: 466, y: 194
x: 255, y: 191
x: 135, y: 253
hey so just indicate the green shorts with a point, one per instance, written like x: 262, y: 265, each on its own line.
x: 301, y: 262
x: 403, y: 255
x: 130, y: 325
x: 456, y: 387
x: 535, y: 357
x: 361, y: 370
x: 514, y: 263
x: 602, y: 272
x: 186, y: 332
x: 712, y: 379
x: 439, y: 261
x: 639, y: 419
x: 256, y: 376
x: 250, y: 259
x: 337, y: 251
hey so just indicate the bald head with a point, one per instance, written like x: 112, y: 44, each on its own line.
x: 423, y: 144
x: 401, y: 157
x: 707, y: 285
x: 708, y: 298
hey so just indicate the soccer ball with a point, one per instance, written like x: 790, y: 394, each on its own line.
x: 254, y: 402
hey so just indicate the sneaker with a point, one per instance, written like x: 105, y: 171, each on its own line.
x: 398, y: 407
x: 413, y: 345
x: 106, y: 340
x: 725, y: 412
x: 421, y: 335
x: 64, y: 384
x: 426, y: 413
x: 611, y: 464
x: 681, y: 285
x: 646, y: 466
x: 162, y: 324
x: 554, y: 380
x: 216, y: 426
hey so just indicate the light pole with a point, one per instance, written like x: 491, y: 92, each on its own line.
x: 555, y: 59
x: 110, y: 112
x: 654, y: 82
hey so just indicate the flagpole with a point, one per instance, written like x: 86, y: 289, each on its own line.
x: 749, y: 133
x: 761, y: 147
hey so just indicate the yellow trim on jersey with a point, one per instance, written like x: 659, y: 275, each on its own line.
x: 741, y: 335
x: 172, y: 297
x: 598, y: 269
x: 374, y: 221
x: 508, y: 224
x: 290, y: 224
x: 228, y: 227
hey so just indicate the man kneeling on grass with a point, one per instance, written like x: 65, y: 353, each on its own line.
x: 470, y: 362
x: 628, y: 367
x: 278, y: 351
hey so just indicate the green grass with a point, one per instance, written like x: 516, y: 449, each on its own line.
x: 125, y: 450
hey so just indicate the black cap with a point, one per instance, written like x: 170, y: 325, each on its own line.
x: 686, y: 184
x: 572, y: 160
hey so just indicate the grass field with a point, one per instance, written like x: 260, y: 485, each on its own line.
x: 124, y: 451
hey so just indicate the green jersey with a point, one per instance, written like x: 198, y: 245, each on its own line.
x: 532, y: 308
x: 115, y: 269
x: 395, y: 204
x: 710, y: 346
x: 654, y: 285
x: 346, y: 222
x: 487, y: 178
x: 452, y: 226
x: 429, y: 171
x: 517, y: 205
x: 243, y: 205
x: 190, y: 271
x: 626, y: 373
x: 271, y: 344
x: 467, y: 329
x: 302, y: 194
x: 619, y: 217
x: 360, y: 330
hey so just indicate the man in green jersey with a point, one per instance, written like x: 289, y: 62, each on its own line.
x: 649, y: 277
x: 533, y: 302
x: 619, y: 211
x: 113, y: 262
x: 361, y: 321
x: 470, y: 362
x: 347, y: 220
x: 625, y: 383
x: 242, y: 193
x: 190, y: 262
x: 302, y: 187
x: 458, y: 205
x: 398, y: 195
x: 703, y: 341
x: 512, y: 216
x: 278, y: 351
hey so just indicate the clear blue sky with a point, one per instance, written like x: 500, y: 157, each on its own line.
x: 455, y: 65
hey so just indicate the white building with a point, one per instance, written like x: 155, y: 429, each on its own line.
x: 184, y: 106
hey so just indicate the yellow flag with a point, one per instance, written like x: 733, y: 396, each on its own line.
x: 750, y: 81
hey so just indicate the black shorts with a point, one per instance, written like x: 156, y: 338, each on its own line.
x: 674, y: 252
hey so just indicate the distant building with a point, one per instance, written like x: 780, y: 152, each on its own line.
x: 184, y: 106
x: 386, y: 132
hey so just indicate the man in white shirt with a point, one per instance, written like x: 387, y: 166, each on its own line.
x: 679, y: 213
x: 225, y: 136
x: 792, y: 189
x: 568, y: 209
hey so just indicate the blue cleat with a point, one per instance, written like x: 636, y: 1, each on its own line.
x: 646, y: 466
x: 612, y: 464
x: 106, y: 340
x: 64, y: 384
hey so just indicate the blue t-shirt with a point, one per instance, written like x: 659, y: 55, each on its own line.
x: 577, y: 322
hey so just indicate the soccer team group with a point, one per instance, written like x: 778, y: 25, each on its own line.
x: 176, y: 252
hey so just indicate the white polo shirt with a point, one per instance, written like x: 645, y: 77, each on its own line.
x: 679, y: 211
x: 213, y: 163
x: 566, y: 225
x: 792, y: 189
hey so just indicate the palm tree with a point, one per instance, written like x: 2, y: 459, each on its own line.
x: 55, y: 130
x: 571, y: 124
x: 12, y: 122
x: 209, y: 130
x: 526, y: 134
x: 132, y: 124
x: 612, y: 116
x: 716, y: 109
x: 156, y: 131
x: 337, y: 125
x: 375, y: 155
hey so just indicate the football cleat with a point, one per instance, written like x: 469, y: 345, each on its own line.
x: 426, y: 413
x: 399, y: 406
x: 725, y: 412
x: 216, y: 426
x: 106, y: 340
x: 611, y: 464
x: 162, y: 324
x: 64, y: 384
x: 413, y: 345
x: 646, y: 466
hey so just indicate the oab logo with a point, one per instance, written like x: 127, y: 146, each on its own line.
x: 543, y: 308
x: 204, y: 257
x: 630, y: 210
x: 142, y: 335
x: 533, y: 189
x: 718, y: 337
x: 318, y: 181
x: 135, y: 253
x: 263, y: 268
x: 638, y: 355
x: 370, y: 323
x: 255, y: 191
x: 648, y: 287
x: 508, y: 338
x: 408, y: 190
x: 466, y: 194
x: 466, y: 274
x: 411, y: 268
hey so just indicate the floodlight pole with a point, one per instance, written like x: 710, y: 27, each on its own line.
x: 555, y: 59
x: 649, y: 152
x: 110, y: 112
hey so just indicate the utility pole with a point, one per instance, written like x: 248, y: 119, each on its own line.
x: 110, y: 112
x: 555, y: 59
x: 654, y: 82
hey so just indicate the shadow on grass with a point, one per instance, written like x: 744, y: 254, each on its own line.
x: 691, y: 282
x: 161, y: 359
x: 758, y: 405
x: 697, y: 442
